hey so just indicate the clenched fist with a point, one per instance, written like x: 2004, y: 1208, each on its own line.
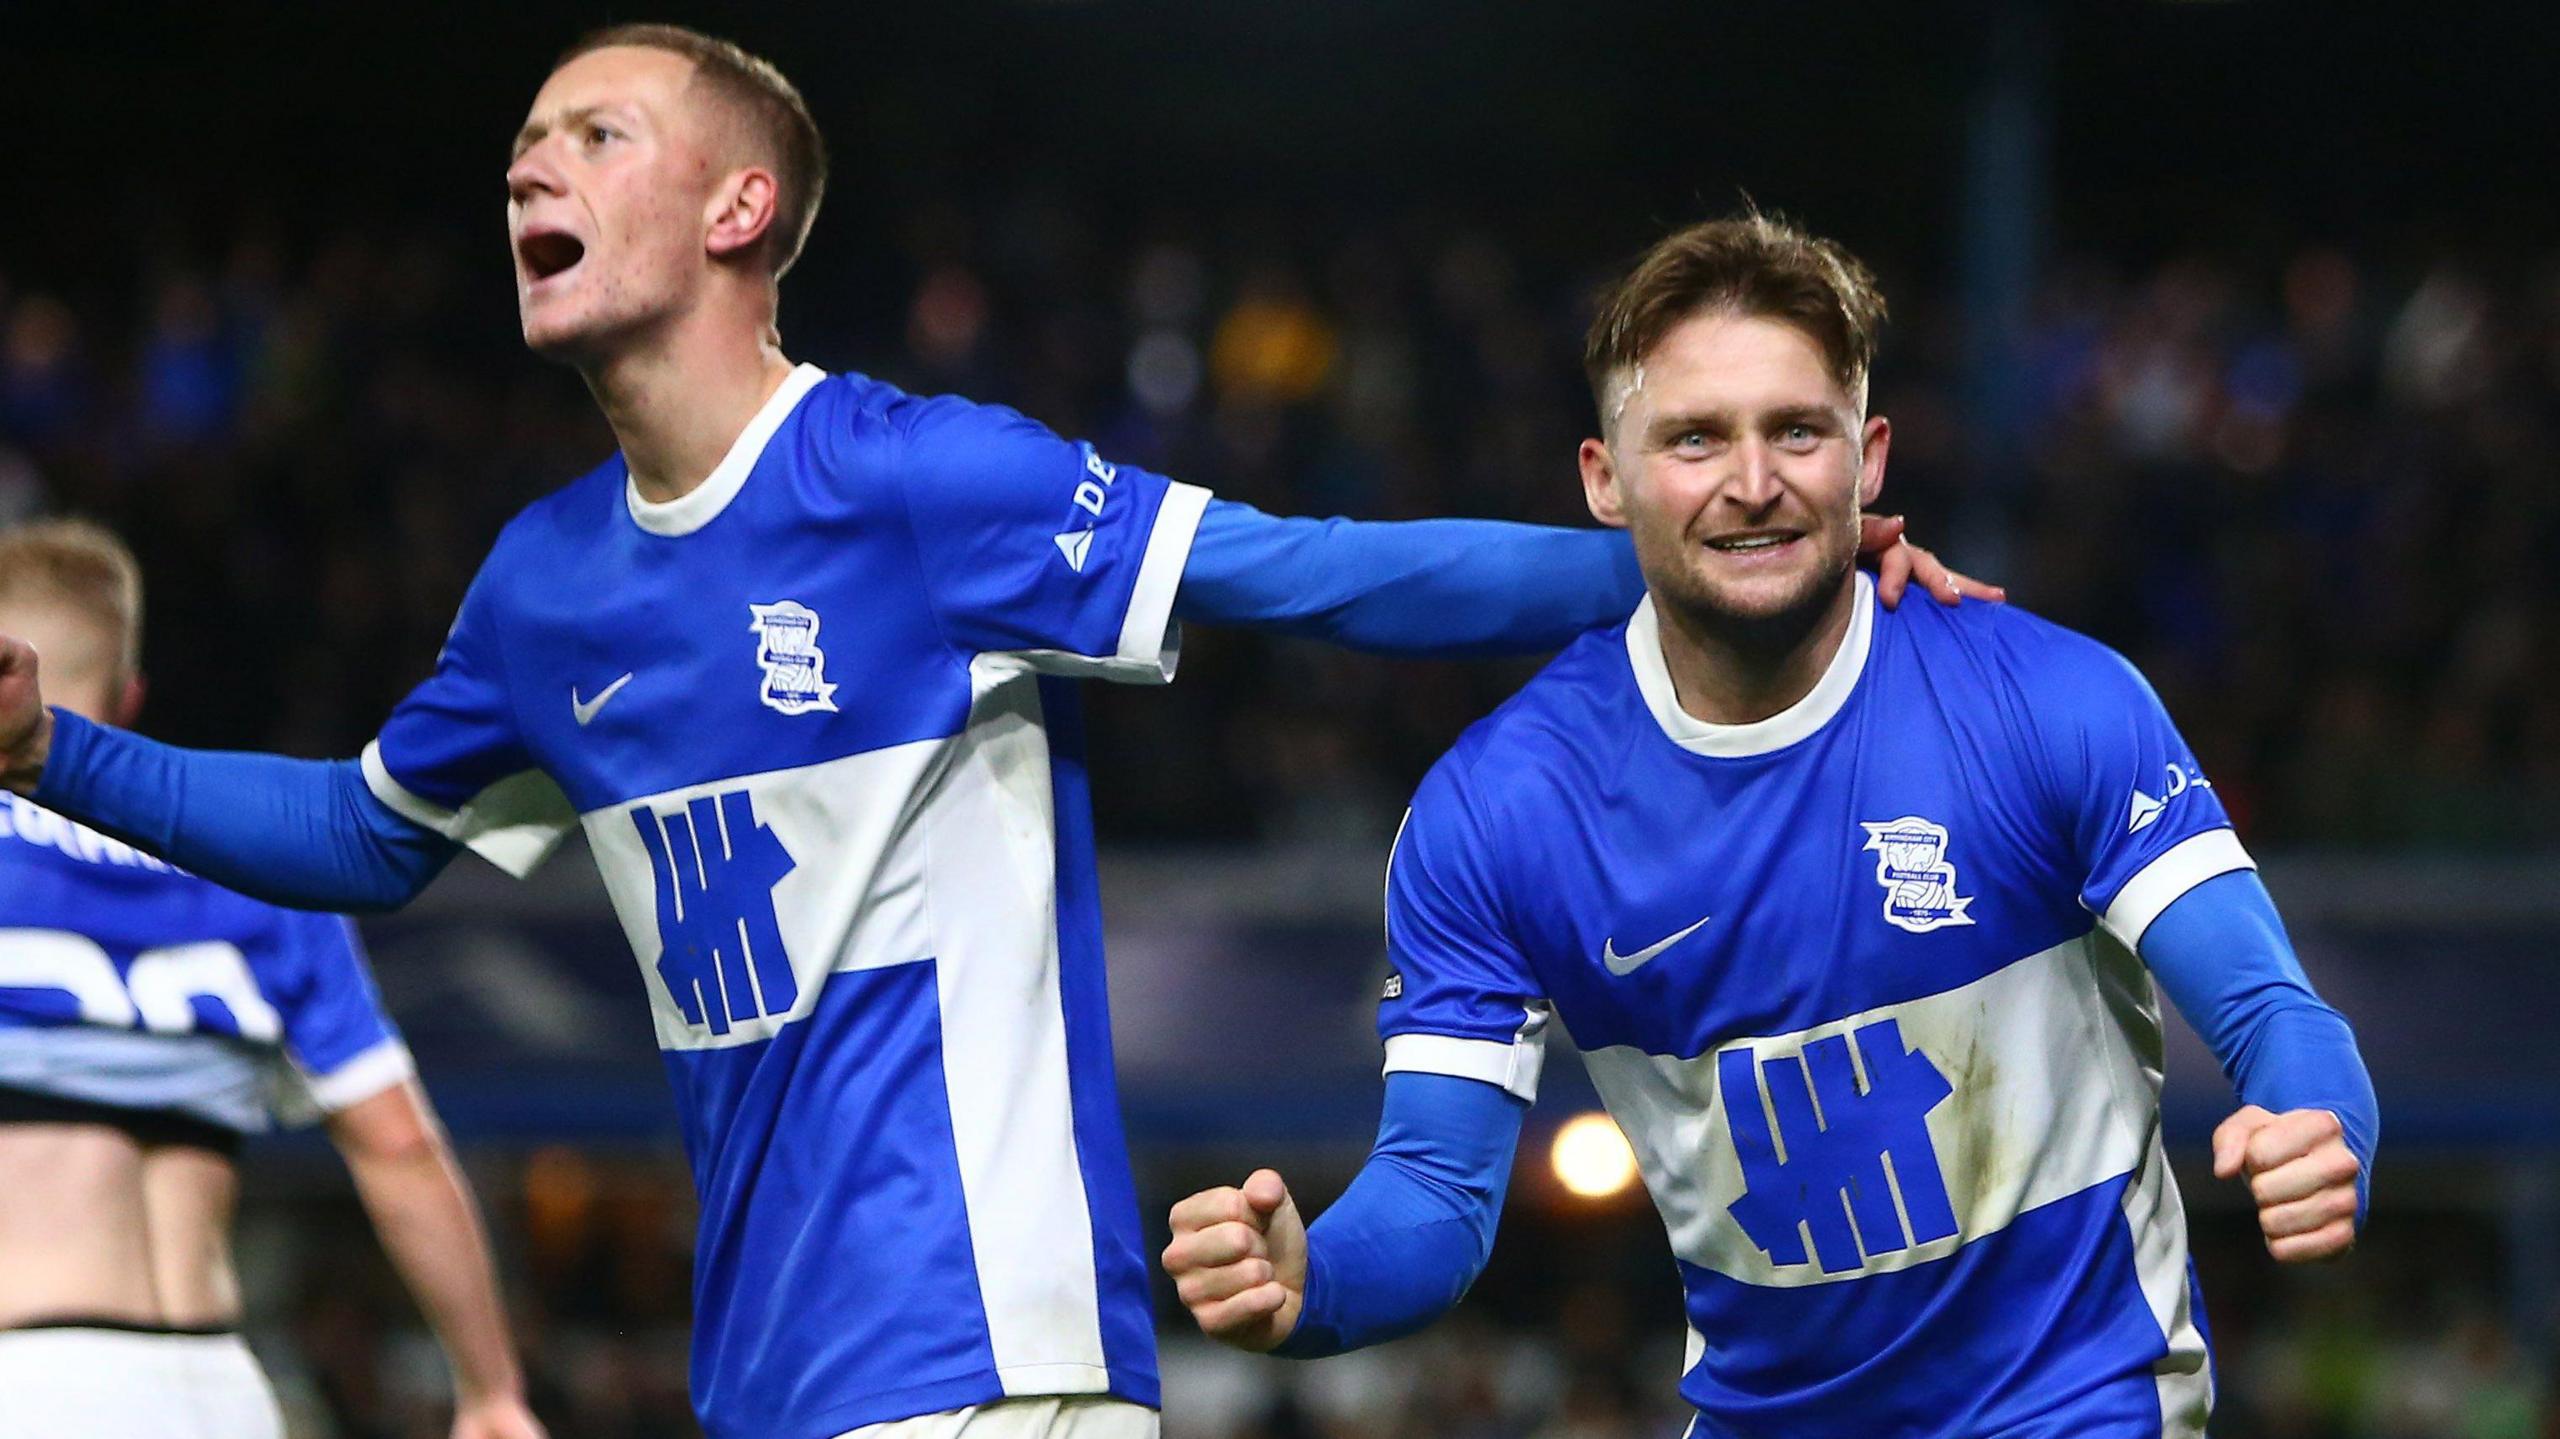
x: 26, y: 729
x: 2300, y: 1172
x: 496, y: 1418
x: 1239, y: 1260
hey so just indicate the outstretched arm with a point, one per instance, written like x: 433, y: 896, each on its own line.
x: 300, y: 832
x: 414, y: 1193
x: 1394, y: 1253
x: 1449, y: 587
x: 2305, y: 1134
x: 1415, y: 587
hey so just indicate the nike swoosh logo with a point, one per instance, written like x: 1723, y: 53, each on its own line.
x: 586, y: 710
x: 1630, y: 963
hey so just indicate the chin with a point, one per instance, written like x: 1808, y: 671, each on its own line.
x: 1764, y: 602
x: 568, y: 339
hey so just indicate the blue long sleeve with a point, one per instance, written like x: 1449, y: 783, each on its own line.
x: 1415, y: 1228
x: 2221, y: 954
x: 1411, y: 587
x: 306, y: 833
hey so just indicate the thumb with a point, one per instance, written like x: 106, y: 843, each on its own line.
x: 1264, y: 1194
x: 2231, y: 1139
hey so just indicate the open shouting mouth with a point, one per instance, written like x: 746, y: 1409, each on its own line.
x: 548, y: 254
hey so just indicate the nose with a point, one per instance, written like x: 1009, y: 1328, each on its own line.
x: 1754, y: 484
x: 532, y: 174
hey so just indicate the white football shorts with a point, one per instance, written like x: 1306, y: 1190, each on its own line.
x: 73, y: 1382
x: 1033, y: 1416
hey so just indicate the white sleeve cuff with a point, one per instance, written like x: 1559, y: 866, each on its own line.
x: 361, y: 1078
x: 514, y: 824
x: 2161, y: 883
x: 1149, y: 637
x: 1510, y: 1065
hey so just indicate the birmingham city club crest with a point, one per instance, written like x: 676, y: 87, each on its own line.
x: 1919, y: 884
x: 795, y: 669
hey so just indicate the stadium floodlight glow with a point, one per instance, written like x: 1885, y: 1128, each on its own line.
x: 1591, y: 1158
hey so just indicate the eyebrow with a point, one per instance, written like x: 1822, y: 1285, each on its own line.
x: 1671, y: 426
x: 533, y: 131
x: 1666, y: 427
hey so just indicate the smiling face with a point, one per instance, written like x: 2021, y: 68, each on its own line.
x: 1738, y: 463
x: 618, y: 183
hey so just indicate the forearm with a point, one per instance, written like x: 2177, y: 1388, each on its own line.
x: 1415, y: 1228
x: 306, y: 833
x: 428, y: 1225
x: 1417, y: 587
x: 2222, y: 955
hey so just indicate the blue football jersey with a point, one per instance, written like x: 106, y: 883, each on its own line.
x: 127, y: 983
x: 1860, y: 983
x: 816, y: 720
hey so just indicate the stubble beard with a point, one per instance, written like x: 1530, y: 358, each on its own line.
x: 1758, y: 632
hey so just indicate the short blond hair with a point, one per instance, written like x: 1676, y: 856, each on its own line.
x: 83, y: 565
x: 1754, y: 265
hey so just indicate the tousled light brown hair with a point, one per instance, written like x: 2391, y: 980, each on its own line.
x: 760, y: 95
x: 1753, y: 265
x: 83, y: 565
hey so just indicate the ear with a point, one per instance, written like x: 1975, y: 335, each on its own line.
x: 1600, y: 484
x: 741, y: 209
x: 1873, y: 441
x: 128, y: 703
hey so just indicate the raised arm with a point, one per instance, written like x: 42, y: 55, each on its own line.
x: 2169, y: 879
x: 1450, y: 587
x: 449, y: 769
x: 307, y: 833
x: 1414, y: 587
x: 413, y: 1191
x: 2305, y: 1134
x: 1397, y: 1251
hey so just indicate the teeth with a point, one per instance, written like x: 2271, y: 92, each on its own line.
x: 1754, y: 542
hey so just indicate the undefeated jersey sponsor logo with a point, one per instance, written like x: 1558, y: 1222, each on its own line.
x: 795, y: 669
x: 1850, y: 1163
x: 715, y: 865
x: 1919, y: 882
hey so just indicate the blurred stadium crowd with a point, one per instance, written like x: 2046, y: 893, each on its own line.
x: 2309, y: 491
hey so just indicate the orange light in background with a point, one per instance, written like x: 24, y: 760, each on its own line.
x: 1591, y: 1158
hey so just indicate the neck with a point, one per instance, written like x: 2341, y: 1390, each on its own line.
x: 678, y: 402
x: 1729, y: 670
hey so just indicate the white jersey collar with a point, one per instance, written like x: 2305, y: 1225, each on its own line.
x: 1739, y: 741
x: 703, y: 503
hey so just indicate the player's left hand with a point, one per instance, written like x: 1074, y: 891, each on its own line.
x: 2302, y: 1175
x: 1899, y: 562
